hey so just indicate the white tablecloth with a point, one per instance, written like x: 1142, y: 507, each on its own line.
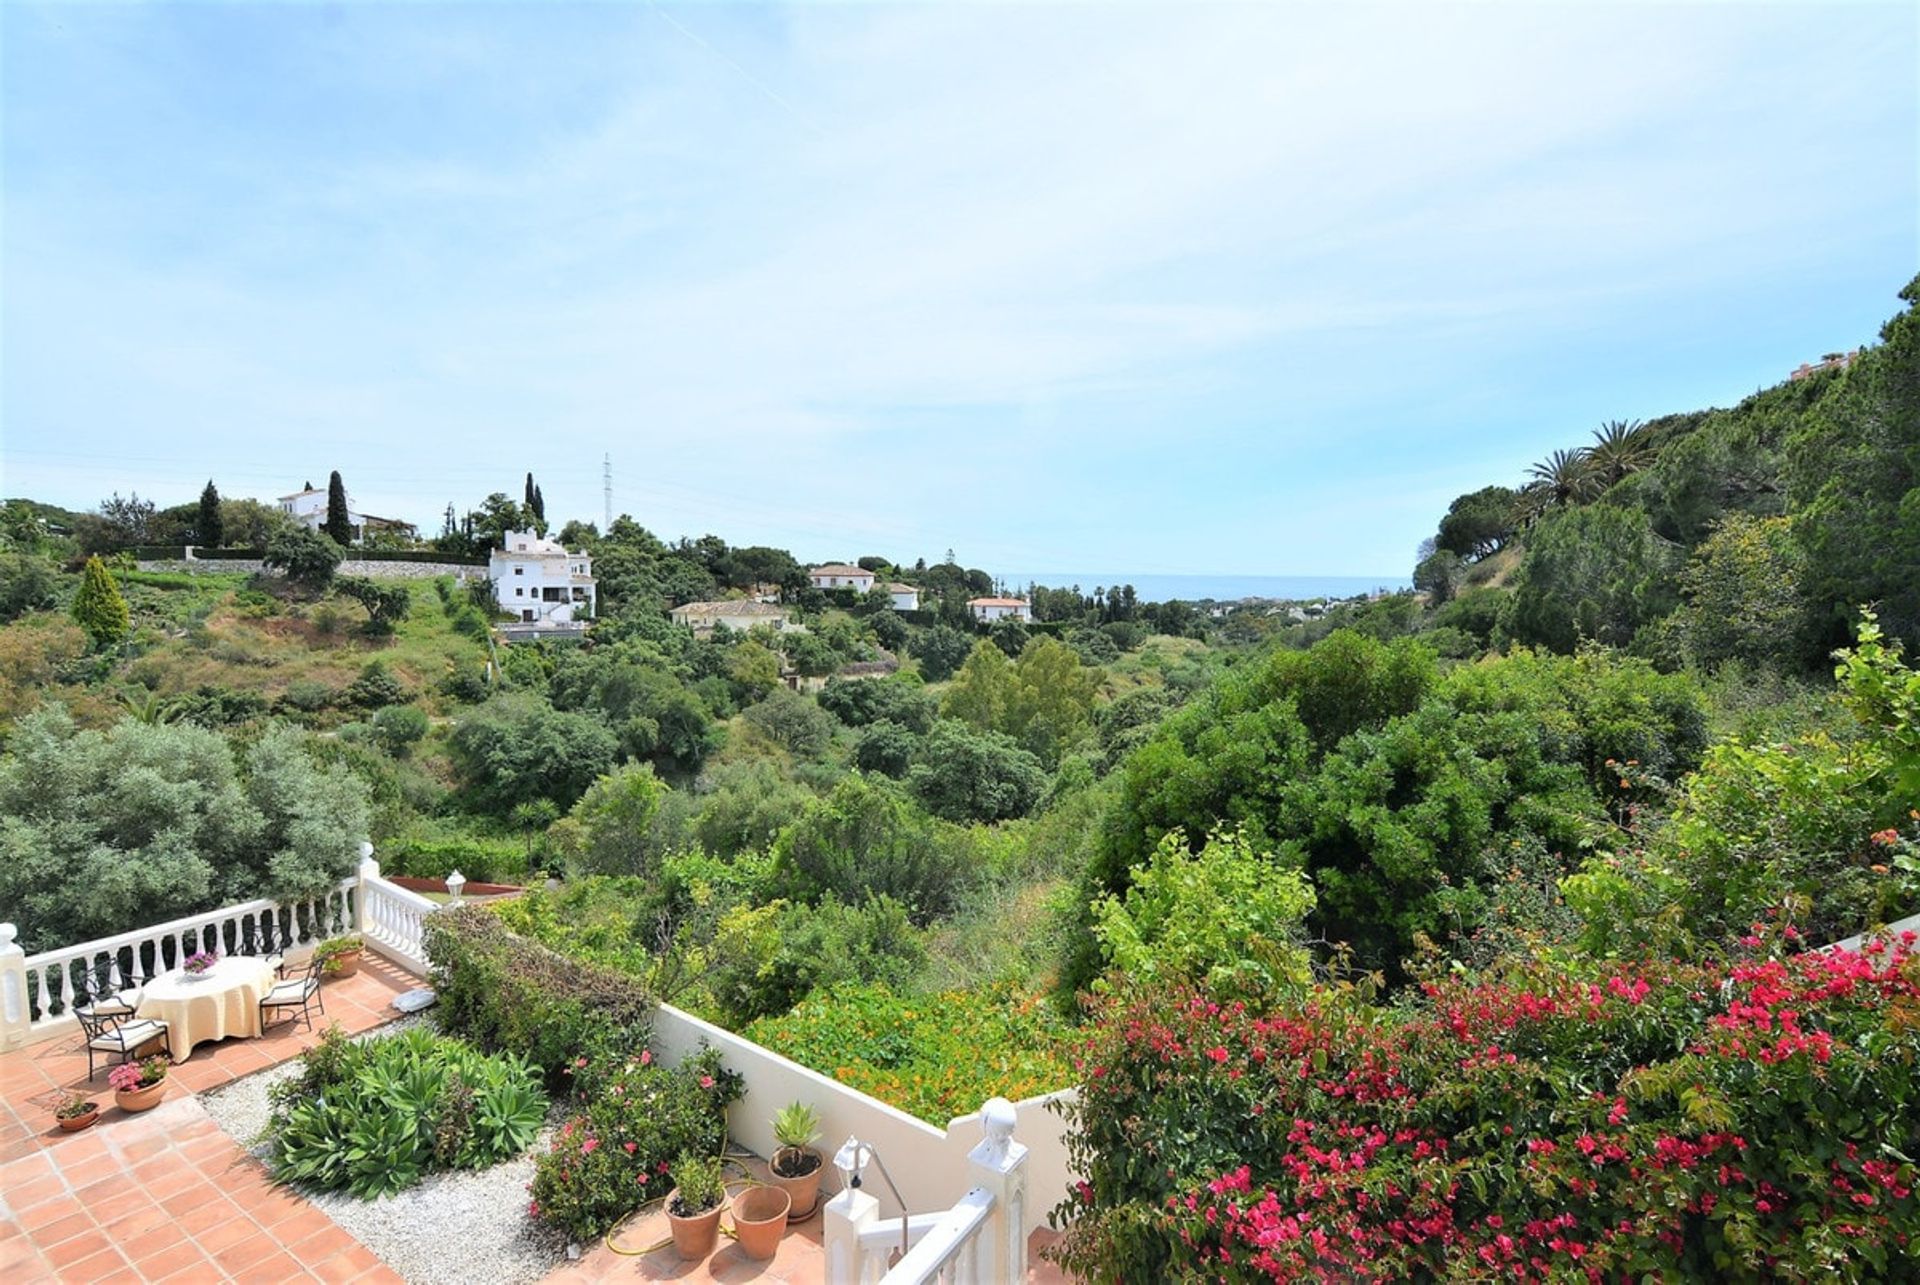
x: 223, y: 1002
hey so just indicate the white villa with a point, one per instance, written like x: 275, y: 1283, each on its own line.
x: 739, y: 614
x: 838, y: 575
x: 987, y: 610
x: 905, y: 597
x: 308, y: 506
x: 540, y: 582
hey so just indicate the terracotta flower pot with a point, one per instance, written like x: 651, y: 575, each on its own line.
x: 141, y: 1099
x: 695, y: 1236
x: 760, y: 1220
x: 803, y: 1189
x: 343, y: 965
x: 73, y: 1124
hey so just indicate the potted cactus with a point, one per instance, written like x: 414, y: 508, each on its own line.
x: 76, y: 1112
x: 694, y: 1205
x: 139, y: 1086
x: 338, y: 957
x: 796, y: 1167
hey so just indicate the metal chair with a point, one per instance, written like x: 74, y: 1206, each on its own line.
x: 301, y: 992
x: 109, y: 1034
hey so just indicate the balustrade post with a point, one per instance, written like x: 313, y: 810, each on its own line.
x: 369, y: 870
x: 15, y: 1014
x: 847, y: 1215
x: 998, y: 1165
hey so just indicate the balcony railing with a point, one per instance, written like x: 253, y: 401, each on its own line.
x: 39, y: 992
x: 981, y: 1240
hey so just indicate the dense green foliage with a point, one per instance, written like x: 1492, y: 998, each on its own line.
x: 145, y: 823
x: 98, y: 607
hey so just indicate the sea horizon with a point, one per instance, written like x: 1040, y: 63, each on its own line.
x: 1199, y: 586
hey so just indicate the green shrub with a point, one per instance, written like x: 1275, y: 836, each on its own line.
x: 616, y: 1154
x: 373, y: 1117
x: 307, y: 695
x: 506, y: 993
x: 376, y: 686
x: 398, y: 728
x: 466, y: 682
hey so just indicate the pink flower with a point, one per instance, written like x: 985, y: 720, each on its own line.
x: 706, y: 1081
x: 588, y: 1147
x: 580, y: 1061
x: 632, y: 1147
x: 1218, y: 1053
x: 646, y: 1057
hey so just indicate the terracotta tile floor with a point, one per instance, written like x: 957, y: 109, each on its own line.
x: 165, y: 1194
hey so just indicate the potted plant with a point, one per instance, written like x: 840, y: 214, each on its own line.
x: 694, y: 1204
x: 796, y: 1168
x: 76, y: 1112
x: 198, y: 964
x: 139, y: 1086
x: 760, y: 1220
x: 338, y: 956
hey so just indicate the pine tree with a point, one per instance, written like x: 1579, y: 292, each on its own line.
x: 208, y: 530
x: 98, y: 607
x: 338, y: 525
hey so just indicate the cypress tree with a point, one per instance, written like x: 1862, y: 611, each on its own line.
x: 98, y: 607
x: 539, y: 507
x: 338, y: 525
x: 531, y: 502
x: 208, y: 530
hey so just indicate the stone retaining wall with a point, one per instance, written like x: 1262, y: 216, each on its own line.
x: 349, y: 567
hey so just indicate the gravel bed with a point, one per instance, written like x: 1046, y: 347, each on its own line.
x: 460, y: 1228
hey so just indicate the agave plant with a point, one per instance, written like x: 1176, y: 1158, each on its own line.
x: 1619, y: 447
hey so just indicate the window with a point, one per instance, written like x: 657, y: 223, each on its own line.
x: 519, y: 571
x: 519, y: 593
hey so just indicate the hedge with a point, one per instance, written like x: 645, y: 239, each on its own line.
x: 505, y: 993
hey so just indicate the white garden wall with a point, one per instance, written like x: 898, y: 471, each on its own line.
x: 928, y: 1164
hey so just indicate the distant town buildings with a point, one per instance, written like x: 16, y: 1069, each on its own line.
x: 739, y: 614
x: 838, y: 575
x: 988, y: 610
x: 308, y: 507
x: 905, y: 597
x: 1830, y: 361
x: 537, y: 580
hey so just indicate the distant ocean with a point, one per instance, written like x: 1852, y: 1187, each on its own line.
x: 1163, y: 588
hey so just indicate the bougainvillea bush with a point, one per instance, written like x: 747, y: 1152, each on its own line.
x: 612, y: 1156
x: 1549, y: 1121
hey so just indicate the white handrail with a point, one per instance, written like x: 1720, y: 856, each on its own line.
x: 949, y: 1252
x: 392, y: 919
x: 55, y: 979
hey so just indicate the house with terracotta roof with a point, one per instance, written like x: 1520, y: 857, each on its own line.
x: 838, y: 575
x: 905, y: 597
x: 740, y: 614
x: 308, y: 507
x: 988, y: 610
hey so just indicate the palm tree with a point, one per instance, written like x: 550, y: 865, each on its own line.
x: 1567, y: 477
x: 148, y: 707
x: 1619, y: 447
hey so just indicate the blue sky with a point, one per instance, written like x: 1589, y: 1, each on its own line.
x: 1141, y: 288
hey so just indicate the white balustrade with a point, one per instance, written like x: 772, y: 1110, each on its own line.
x: 38, y: 992
x: 393, y: 919
x: 981, y: 1240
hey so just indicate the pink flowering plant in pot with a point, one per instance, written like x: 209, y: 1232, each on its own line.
x: 139, y: 1086
x: 1545, y: 1119
x: 615, y: 1153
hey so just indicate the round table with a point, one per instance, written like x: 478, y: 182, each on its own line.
x: 220, y: 1003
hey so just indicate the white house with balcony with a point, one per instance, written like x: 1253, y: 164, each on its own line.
x: 905, y: 597
x: 538, y: 581
x: 308, y: 507
x: 988, y: 610
x: 838, y: 575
